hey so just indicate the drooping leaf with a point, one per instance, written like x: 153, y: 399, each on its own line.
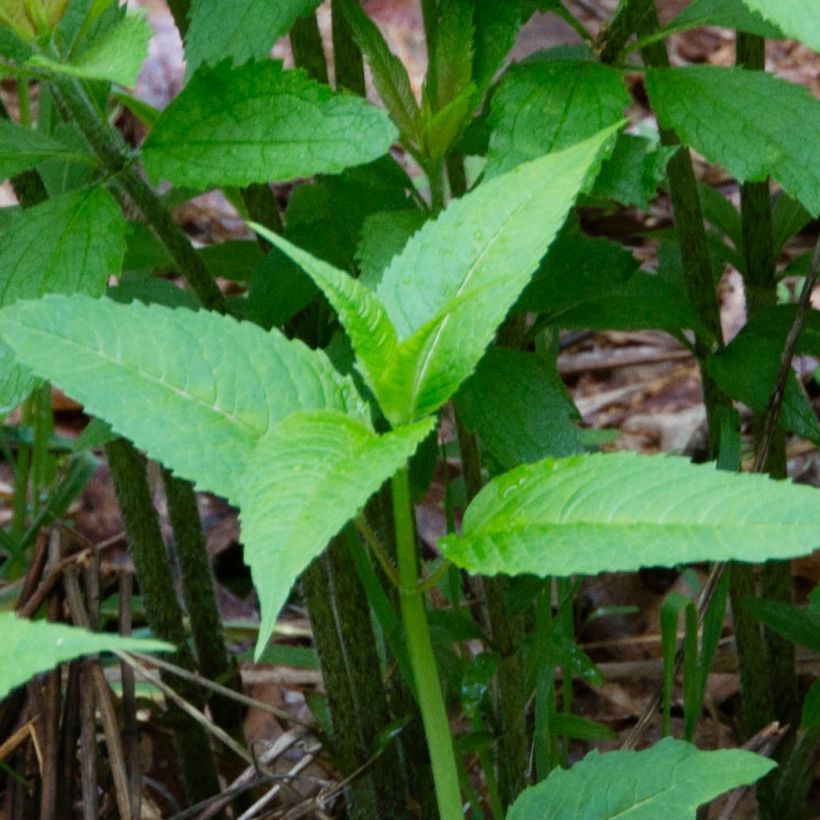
x: 768, y: 115
x: 31, y: 647
x: 241, y: 29
x: 747, y: 368
x: 546, y: 106
x: 116, y: 56
x: 670, y: 780
x: 196, y: 390
x: 69, y: 244
x: 797, y: 18
x: 389, y: 74
x: 620, y: 512
x: 22, y: 148
x: 633, y: 173
x: 726, y: 14
x: 519, y: 407
x: 458, y: 276
x: 257, y: 123
x: 312, y: 473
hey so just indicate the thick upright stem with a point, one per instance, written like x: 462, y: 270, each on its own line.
x: 422, y: 659
x: 162, y: 609
x: 112, y: 151
x: 356, y: 696
x: 213, y: 659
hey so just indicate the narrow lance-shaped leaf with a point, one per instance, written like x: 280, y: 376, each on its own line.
x: 768, y: 116
x: 725, y: 13
x: 242, y: 29
x: 257, y: 123
x: 620, y: 512
x: 311, y: 474
x: 116, y: 56
x: 31, y: 647
x: 798, y: 18
x: 196, y: 390
x: 22, y: 148
x: 670, y: 780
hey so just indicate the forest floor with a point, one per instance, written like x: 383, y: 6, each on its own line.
x: 644, y: 386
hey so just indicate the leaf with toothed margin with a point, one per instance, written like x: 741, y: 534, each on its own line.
x: 620, y: 512
x: 797, y: 18
x: 311, y: 474
x: 196, y: 390
x: 30, y: 647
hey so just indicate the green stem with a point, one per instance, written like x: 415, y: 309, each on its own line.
x: 213, y: 659
x: 545, y: 683
x: 308, y: 52
x: 347, y: 57
x: 162, y: 610
x: 115, y: 155
x: 422, y: 658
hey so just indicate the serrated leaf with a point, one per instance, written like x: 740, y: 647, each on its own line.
x: 725, y: 14
x: 769, y: 117
x: 69, y: 244
x: 389, y: 74
x: 31, y: 647
x: 797, y: 18
x: 22, y: 148
x: 312, y: 473
x: 747, y: 368
x: 457, y: 277
x: 620, y: 512
x: 241, y: 29
x: 546, y: 106
x: 670, y: 780
x: 196, y: 390
x: 257, y: 123
x: 116, y: 56
x: 519, y: 408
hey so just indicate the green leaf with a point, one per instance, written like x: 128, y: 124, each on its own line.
x: 196, y: 390
x: 789, y: 217
x: 457, y: 277
x: 312, y: 473
x: 633, y: 173
x: 546, y: 106
x: 69, y: 244
x: 450, y: 67
x: 587, y: 282
x: 768, y: 116
x: 257, y: 123
x: 496, y: 27
x: 117, y: 56
x: 620, y: 512
x: 389, y: 74
x: 16, y: 381
x: 747, y: 368
x: 383, y: 236
x: 800, y: 626
x: 517, y: 404
x: 797, y: 18
x: 810, y: 716
x: 725, y: 14
x: 669, y: 780
x: 241, y: 29
x: 31, y: 647
x: 22, y: 148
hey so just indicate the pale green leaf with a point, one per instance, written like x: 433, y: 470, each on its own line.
x: 389, y: 74
x: 457, y: 277
x: 196, y: 390
x: 242, y: 29
x: 670, y: 780
x: 797, y: 18
x: 257, y: 123
x: 546, y: 106
x: 726, y: 14
x: 68, y: 244
x: 360, y: 312
x: 116, y: 56
x: 31, y: 647
x: 312, y: 473
x: 22, y: 148
x: 16, y: 381
x: 620, y: 512
x: 517, y: 404
x: 770, y: 118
